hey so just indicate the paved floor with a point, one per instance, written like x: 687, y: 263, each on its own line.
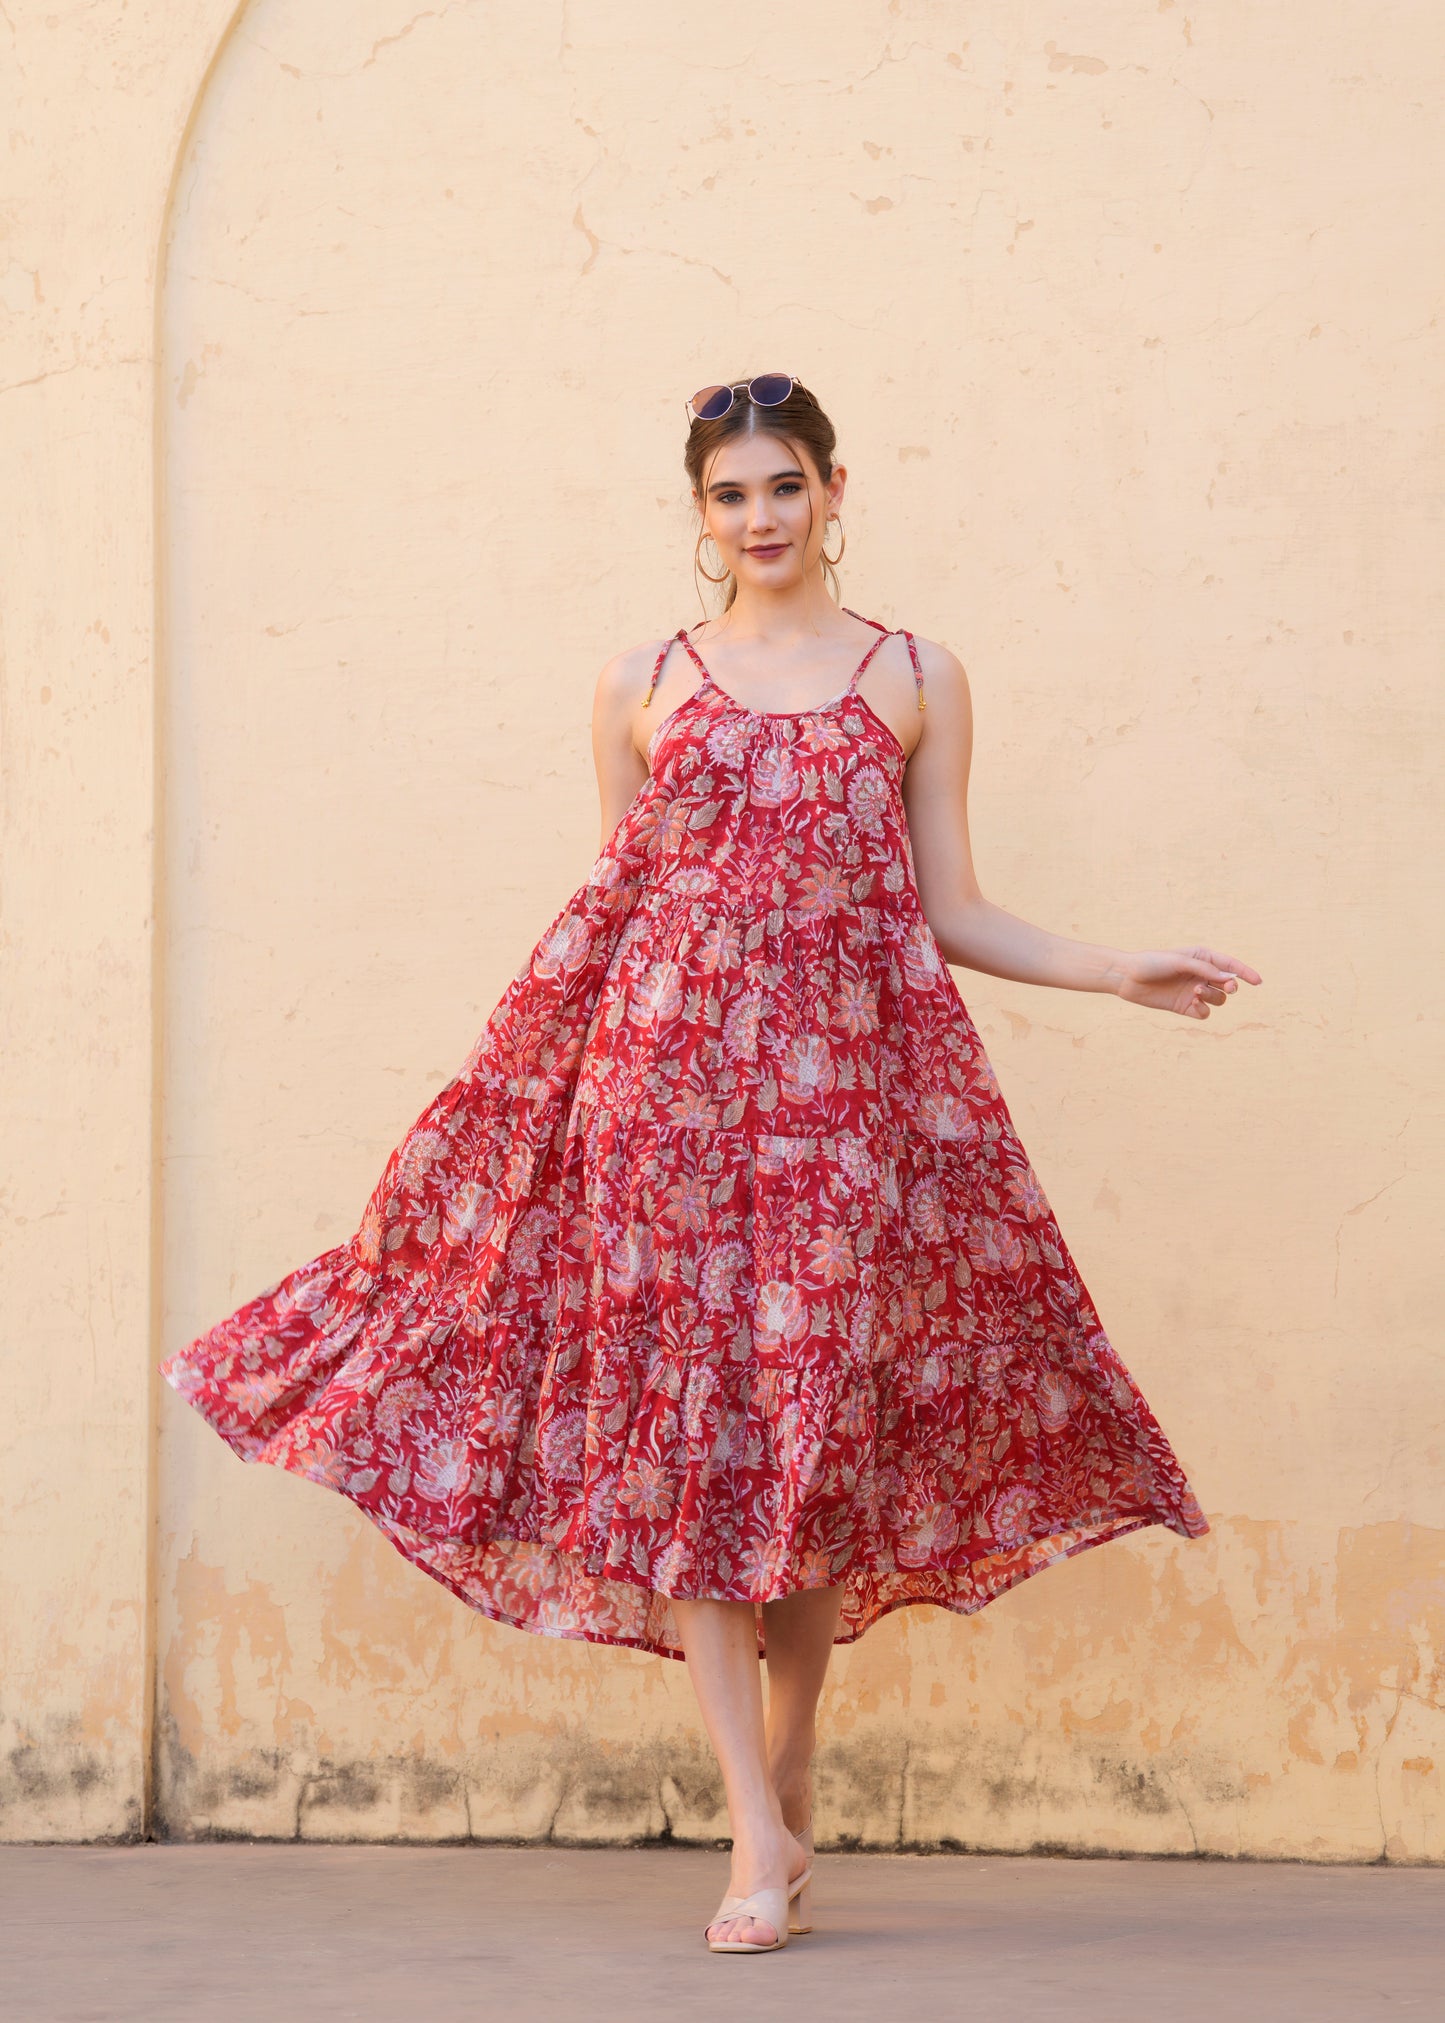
x: 430, y: 1935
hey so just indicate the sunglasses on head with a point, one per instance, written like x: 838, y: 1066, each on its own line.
x: 769, y: 389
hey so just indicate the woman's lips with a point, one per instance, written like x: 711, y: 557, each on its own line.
x: 775, y: 548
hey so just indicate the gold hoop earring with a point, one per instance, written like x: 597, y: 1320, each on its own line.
x: 697, y: 551
x: 823, y: 555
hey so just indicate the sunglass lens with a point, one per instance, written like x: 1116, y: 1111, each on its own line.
x: 711, y: 401
x: 771, y: 388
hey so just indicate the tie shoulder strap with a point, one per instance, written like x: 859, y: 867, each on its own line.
x: 667, y: 644
x: 912, y: 651
x: 917, y: 668
x: 656, y: 671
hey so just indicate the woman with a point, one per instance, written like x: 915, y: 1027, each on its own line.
x: 714, y: 1307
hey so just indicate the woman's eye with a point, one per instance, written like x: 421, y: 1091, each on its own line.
x: 734, y: 498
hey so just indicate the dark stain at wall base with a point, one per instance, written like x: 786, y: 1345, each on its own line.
x: 929, y: 1792
x: 60, y: 1789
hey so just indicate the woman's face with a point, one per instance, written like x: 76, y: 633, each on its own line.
x: 761, y: 494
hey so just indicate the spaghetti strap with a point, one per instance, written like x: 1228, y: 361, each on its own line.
x: 858, y: 670
x: 680, y: 634
x: 883, y: 630
x: 917, y: 668
x: 656, y: 671
x: 680, y: 637
x: 685, y: 638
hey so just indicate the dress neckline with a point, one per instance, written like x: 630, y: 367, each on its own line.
x: 848, y: 695
x: 709, y: 680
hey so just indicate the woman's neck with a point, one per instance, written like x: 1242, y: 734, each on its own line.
x: 783, y: 617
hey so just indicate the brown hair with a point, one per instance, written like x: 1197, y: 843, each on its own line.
x: 797, y: 421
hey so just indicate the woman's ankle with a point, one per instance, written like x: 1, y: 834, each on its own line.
x: 759, y: 1850
x: 795, y: 1796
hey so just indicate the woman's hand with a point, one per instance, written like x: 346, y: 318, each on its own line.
x: 1184, y: 980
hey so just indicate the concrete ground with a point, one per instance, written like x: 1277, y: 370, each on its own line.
x: 430, y: 1935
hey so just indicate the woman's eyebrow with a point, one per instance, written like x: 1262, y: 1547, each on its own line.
x: 728, y: 484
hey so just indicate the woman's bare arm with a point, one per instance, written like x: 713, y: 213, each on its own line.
x: 972, y: 931
x: 621, y: 768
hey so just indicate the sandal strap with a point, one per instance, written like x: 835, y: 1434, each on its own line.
x: 735, y: 1907
x: 768, y: 1906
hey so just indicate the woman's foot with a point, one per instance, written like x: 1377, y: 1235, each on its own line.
x: 765, y: 1862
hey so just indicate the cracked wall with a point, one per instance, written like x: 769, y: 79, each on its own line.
x: 1123, y: 318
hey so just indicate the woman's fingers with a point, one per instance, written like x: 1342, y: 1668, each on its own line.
x: 1205, y: 976
x: 1205, y: 994
x: 1207, y: 968
x: 1228, y: 965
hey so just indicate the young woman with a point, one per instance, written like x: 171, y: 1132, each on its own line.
x: 714, y: 1308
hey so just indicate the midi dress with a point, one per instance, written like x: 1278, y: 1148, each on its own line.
x: 718, y: 1269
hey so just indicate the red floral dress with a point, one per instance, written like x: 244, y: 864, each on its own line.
x: 719, y: 1268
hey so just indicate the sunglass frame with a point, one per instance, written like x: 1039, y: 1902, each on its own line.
x: 732, y: 392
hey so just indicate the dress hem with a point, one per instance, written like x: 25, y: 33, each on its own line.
x: 1098, y: 1532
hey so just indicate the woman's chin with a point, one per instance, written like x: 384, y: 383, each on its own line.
x: 774, y: 570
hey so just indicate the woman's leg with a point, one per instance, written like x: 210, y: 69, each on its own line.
x: 799, y: 1631
x: 720, y: 1643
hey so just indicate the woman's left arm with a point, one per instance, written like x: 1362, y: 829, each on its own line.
x: 973, y: 933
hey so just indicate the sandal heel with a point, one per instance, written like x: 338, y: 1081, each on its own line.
x: 800, y: 1902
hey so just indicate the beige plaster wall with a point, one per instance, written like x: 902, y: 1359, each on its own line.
x: 342, y: 398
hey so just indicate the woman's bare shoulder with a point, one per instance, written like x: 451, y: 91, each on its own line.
x: 944, y: 676
x: 625, y: 675
x: 939, y: 659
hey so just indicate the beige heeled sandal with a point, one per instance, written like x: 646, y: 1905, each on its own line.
x: 769, y: 1906
x: 800, y: 1905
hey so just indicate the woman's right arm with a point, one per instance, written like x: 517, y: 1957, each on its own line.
x: 621, y: 769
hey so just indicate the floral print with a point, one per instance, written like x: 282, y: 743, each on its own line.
x: 718, y: 1269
